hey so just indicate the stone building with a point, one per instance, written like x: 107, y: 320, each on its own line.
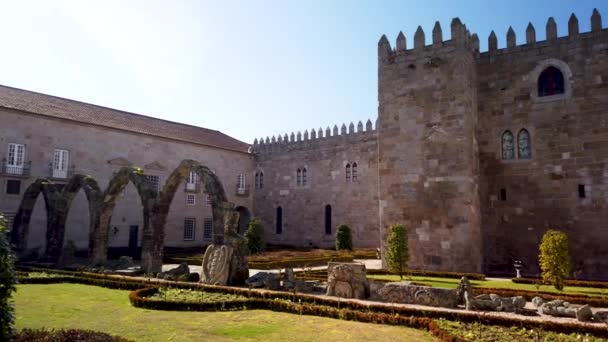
x: 477, y: 153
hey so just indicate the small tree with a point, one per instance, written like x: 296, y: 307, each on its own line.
x: 344, y: 238
x: 397, y: 254
x: 254, y: 236
x: 554, y: 256
x: 7, y: 284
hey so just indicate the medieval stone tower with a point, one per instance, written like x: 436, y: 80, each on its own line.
x: 428, y: 155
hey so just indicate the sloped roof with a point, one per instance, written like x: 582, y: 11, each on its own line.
x: 47, y: 105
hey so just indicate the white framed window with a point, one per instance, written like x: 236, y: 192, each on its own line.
x: 190, y: 199
x: 208, y: 228
x: 60, y: 163
x: 155, y: 180
x: 189, y: 228
x: 16, y: 159
x: 241, y: 183
x: 191, y: 181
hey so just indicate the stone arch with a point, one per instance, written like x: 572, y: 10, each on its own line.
x: 21, y: 223
x: 244, y: 219
x: 117, y: 184
x: 152, y: 244
x: 56, y: 232
x: 57, y: 198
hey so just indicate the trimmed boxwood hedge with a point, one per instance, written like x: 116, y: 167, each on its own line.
x: 567, y: 282
x: 68, y: 335
x: 298, y: 262
x: 364, y: 312
x: 440, y: 274
x: 351, y: 309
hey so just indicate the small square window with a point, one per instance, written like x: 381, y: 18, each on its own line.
x: 503, y: 194
x: 190, y: 199
x: 581, y: 191
x: 13, y: 187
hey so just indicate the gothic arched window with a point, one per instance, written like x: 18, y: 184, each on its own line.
x: 508, y: 147
x: 257, y: 180
x: 261, y: 180
x: 354, y: 172
x: 348, y: 172
x: 299, y: 177
x: 550, y: 82
x: 524, y: 147
x: 303, y: 176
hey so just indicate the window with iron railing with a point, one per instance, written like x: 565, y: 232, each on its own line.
x: 15, y: 161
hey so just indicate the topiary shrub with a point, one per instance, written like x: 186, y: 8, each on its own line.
x: 8, y: 279
x: 554, y: 258
x: 254, y: 237
x: 397, y: 254
x: 344, y: 238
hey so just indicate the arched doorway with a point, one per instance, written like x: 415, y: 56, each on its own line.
x: 244, y: 219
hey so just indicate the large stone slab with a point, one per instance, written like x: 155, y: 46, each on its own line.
x: 347, y: 280
x: 405, y: 293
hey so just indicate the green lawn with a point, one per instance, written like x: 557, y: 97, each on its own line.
x: 96, y: 308
x: 501, y: 284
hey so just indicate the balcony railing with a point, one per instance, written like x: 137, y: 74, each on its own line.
x: 242, y: 190
x: 61, y: 174
x: 23, y: 170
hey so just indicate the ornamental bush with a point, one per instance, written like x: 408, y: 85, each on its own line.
x: 8, y: 279
x: 344, y: 238
x: 254, y: 236
x: 397, y: 254
x: 554, y: 258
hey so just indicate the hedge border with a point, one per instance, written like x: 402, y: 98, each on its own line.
x: 138, y: 299
x: 350, y: 310
x: 122, y: 282
x: 567, y: 282
x: 322, y: 274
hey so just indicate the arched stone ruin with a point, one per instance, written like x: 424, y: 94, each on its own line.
x: 155, y: 207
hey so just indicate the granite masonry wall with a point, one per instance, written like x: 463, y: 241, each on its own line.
x: 100, y: 151
x: 563, y: 184
x: 325, y: 156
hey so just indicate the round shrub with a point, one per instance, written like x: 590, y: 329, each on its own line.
x: 554, y: 258
x: 254, y: 237
x: 344, y: 238
x: 8, y: 279
x: 397, y: 254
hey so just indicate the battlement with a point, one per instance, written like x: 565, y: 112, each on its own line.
x: 315, y: 138
x: 462, y: 37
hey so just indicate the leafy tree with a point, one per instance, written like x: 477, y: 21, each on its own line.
x: 554, y: 256
x: 7, y: 284
x: 254, y: 236
x: 397, y: 254
x: 344, y: 238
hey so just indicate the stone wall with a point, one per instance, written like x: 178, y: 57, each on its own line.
x: 99, y: 151
x: 569, y: 137
x: 325, y: 157
x: 428, y: 160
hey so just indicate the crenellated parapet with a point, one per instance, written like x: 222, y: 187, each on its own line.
x: 551, y: 34
x: 461, y: 37
x: 315, y: 138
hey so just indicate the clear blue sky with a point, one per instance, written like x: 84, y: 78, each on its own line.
x: 246, y: 68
